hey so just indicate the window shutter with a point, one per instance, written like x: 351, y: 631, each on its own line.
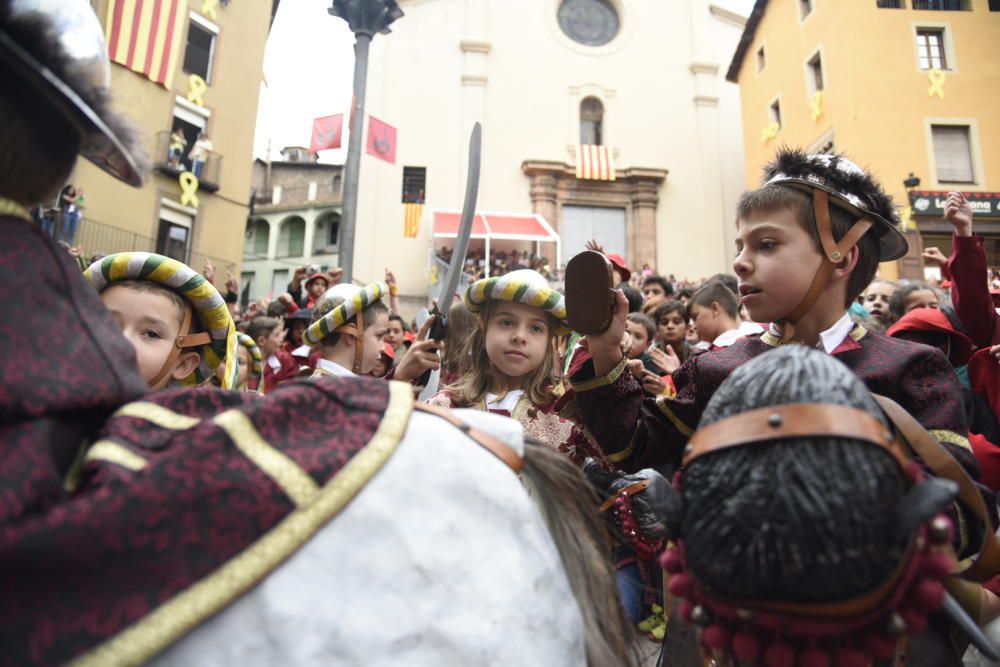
x: 953, y: 153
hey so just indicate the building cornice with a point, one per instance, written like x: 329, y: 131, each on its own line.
x: 728, y: 16
x: 475, y: 46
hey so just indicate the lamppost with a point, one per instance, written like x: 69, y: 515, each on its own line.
x: 365, y: 18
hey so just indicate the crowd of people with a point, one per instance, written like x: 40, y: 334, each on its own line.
x: 793, y: 464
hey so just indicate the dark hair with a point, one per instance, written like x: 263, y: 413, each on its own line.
x: 670, y: 306
x: 634, y: 297
x: 647, y: 322
x: 397, y: 318
x: 668, y: 289
x: 727, y: 279
x: 897, y: 302
x: 771, y: 198
x: 262, y: 326
x: 325, y: 305
x: 768, y: 521
x: 685, y: 293
x: 276, y: 309
x: 715, y: 291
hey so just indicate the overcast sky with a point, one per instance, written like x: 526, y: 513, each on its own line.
x: 309, y: 67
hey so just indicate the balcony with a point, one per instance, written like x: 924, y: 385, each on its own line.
x: 173, y: 163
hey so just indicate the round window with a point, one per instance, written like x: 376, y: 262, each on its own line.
x: 589, y: 22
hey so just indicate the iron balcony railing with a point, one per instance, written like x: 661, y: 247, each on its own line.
x: 172, y: 160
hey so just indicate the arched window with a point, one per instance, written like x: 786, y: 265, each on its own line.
x: 327, y: 233
x: 591, y: 121
x: 292, y: 237
x: 257, y: 236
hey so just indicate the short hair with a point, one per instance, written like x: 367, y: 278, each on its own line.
x: 646, y: 321
x: 394, y: 317
x: 715, y: 291
x: 262, y: 326
x: 727, y: 279
x: 668, y: 289
x: 776, y: 197
x: 670, y: 306
x: 325, y: 305
x: 634, y: 297
x: 685, y: 293
x: 276, y: 309
x: 897, y: 302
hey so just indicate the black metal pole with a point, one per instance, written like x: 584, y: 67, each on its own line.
x: 353, y: 166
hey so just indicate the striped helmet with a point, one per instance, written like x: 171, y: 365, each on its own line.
x: 522, y: 286
x: 205, y: 300
x: 353, y: 299
x: 256, y: 358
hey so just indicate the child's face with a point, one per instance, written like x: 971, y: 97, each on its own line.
x: 653, y: 293
x: 517, y: 338
x: 243, y: 357
x: 150, y: 321
x: 317, y: 287
x: 672, y: 328
x: 296, y: 330
x: 706, y: 321
x: 640, y: 339
x: 876, y: 300
x: 382, y: 367
x: 374, y: 338
x: 776, y: 263
x: 394, y: 334
x: 691, y: 336
x: 921, y: 298
x: 271, y: 343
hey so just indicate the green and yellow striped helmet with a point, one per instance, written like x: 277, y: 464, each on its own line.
x: 205, y: 300
x: 523, y: 286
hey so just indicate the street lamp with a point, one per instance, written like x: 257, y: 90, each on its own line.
x: 912, y: 181
x: 365, y: 18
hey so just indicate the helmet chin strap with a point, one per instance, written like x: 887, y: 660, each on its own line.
x: 833, y: 253
x: 183, y: 340
x: 356, y: 330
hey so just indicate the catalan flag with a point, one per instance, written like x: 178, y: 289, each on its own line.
x: 145, y: 36
x: 594, y: 163
x: 411, y: 219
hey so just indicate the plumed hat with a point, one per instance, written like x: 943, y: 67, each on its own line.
x: 206, y: 302
x: 58, y: 47
x: 522, y: 286
x: 850, y: 187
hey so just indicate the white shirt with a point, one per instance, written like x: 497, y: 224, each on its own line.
x: 745, y: 329
x: 832, y: 337
x: 273, y: 362
x: 508, y: 402
x: 333, y: 368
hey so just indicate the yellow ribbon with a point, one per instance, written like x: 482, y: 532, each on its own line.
x: 189, y: 189
x: 816, y: 105
x: 434, y: 274
x: 210, y: 8
x: 906, y: 219
x: 937, y: 78
x: 769, y: 132
x: 196, y: 90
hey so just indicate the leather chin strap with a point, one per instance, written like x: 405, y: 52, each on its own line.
x: 358, y: 332
x: 833, y: 253
x: 183, y: 341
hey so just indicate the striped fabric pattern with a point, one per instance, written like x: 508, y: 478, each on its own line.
x: 594, y: 163
x: 523, y: 286
x: 206, y: 301
x: 145, y: 36
x: 411, y: 219
x: 356, y: 299
x: 256, y: 358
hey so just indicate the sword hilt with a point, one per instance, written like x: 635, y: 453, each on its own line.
x: 438, y: 331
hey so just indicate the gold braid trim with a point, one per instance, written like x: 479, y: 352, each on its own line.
x: 166, y: 624
x: 157, y: 414
x: 942, y: 435
x: 113, y: 452
x: 11, y: 207
x: 684, y: 429
x: 604, y: 380
x: 623, y: 454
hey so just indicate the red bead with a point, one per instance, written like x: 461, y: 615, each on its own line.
x: 937, y: 565
x: 851, y: 657
x: 881, y: 647
x: 716, y: 637
x: 680, y: 585
x: 685, y: 609
x: 916, y: 622
x: 779, y: 654
x: 813, y: 657
x: 672, y: 561
x: 746, y: 647
x: 929, y: 596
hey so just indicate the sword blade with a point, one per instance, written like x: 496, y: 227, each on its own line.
x: 457, y: 264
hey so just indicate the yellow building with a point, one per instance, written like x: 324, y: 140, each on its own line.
x: 222, y: 43
x: 908, y: 88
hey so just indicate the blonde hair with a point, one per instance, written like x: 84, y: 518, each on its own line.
x: 475, y: 382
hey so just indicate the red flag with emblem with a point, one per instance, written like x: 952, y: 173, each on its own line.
x: 327, y: 132
x: 381, y: 140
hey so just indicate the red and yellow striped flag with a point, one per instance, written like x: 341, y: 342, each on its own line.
x: 594, y: 163
x: 145, y: 35
x: 411, y: 219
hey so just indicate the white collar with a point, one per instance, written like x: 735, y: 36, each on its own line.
x: 274, y: 362
x: 745, y: 329
x: 333, y: 368
x: 832, y: 337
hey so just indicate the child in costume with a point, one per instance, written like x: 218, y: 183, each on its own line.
x: 512, y: 362
x: 279, y: 365
x: 715, y: 313
x: 177, y: 322
x: 349, y: 324
x: 251, y: 366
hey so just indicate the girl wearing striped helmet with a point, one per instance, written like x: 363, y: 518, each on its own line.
x: 251, y: 366
x: 177, y: 321
x: 511, y: 370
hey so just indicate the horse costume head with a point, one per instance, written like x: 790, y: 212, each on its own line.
x: 802, y: 533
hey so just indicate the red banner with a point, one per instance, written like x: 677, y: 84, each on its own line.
x: 381, y: 140
x: 327, y: 132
